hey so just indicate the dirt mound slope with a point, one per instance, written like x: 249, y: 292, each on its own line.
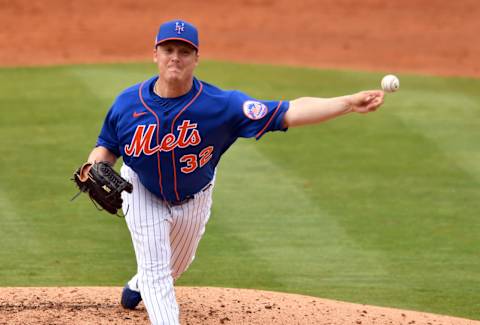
x: 199, y: 305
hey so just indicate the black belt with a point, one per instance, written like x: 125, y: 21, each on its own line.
x: 189, y: 197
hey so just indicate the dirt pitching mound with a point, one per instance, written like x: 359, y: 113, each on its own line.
x: 100, y: 305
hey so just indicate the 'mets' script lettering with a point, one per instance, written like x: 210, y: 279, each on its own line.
x: 142, y: 139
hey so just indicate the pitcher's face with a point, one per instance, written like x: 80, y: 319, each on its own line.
x: 176, y: 61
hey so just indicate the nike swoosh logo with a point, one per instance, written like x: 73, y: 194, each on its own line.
x: 135, y: 114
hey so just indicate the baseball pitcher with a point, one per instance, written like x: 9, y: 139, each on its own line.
x: 171, y: 131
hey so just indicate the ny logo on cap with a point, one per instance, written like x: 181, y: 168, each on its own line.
x: 179, y: 27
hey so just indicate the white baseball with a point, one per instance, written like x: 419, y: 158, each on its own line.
x: 390, y: 83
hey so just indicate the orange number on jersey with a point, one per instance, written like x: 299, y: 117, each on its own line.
x: 191, y: 161
x: 205, y: 155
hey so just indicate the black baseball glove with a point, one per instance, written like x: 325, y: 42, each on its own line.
x: 103, y: 184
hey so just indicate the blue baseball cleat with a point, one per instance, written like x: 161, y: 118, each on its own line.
x: 130, y: 298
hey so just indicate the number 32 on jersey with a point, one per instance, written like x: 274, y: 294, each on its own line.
x: 193, y: 161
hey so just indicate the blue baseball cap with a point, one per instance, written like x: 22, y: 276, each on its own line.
x: 177, y: 30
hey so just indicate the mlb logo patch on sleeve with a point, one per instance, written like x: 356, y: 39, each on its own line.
x: 254, y: 110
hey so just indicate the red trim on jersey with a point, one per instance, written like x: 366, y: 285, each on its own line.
x: 158, y: 139
x: 173, y: 151
x: 269, y: 121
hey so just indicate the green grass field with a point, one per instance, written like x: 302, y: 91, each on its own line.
x: 380, y: 209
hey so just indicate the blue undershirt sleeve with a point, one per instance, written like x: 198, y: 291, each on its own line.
x: 108, y: 135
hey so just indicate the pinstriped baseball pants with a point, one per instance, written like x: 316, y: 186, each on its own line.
x: 165, y: 239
